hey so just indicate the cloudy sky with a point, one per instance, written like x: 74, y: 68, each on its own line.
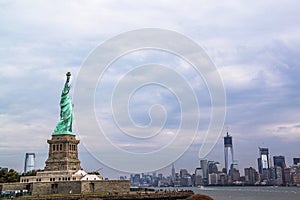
x: 255, y: 47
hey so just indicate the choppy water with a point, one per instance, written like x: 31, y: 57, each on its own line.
x: 250, y: 193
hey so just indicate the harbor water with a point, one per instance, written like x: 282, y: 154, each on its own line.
x: 250, y: 193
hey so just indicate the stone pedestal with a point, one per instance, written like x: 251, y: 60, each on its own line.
x: 63, y: 153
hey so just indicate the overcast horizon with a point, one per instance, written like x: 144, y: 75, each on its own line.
x: 255, y: 47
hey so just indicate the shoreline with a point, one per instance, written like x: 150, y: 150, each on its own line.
x: 110, y: 196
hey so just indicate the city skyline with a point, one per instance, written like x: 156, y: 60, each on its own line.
x: 255, y: 48
x: 213, y: 173
x: 269, y: 171
x: 169, y: 170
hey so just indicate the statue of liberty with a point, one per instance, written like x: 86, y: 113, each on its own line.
x: 64, y: 126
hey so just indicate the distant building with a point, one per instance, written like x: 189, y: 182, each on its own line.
x: 160, y: 176
x: 296, y: 176
x: 222, y: 179
x: 279, y: 173
x: 154, y: 174
x: 263, y: 163
x: 173, y: 173
x: 296, y: 161
x: 185, y: 178
x: 287, y: 176
x: 213, y: 167
x: 183, y: 173
x: 198, y: 177
x: 136, y: 180
x: 213, y: 179
x: 279, y: 161
x: 228, y: 152
x: 177, y: 180
x: 219, y: 167
x: 251, y: 176
x: 186, y: 181
x: 204, y: 167
x: 29, y: 162
x: 234, y: 174
x: 279, y: 166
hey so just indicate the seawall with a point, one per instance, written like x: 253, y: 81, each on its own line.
x: 132, y: 195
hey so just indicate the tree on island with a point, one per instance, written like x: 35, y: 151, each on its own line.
x: 9, y: 176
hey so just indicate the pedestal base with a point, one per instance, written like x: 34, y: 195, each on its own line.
x: 63, y: 153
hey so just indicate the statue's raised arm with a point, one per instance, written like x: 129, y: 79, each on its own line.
x: 64, y: 126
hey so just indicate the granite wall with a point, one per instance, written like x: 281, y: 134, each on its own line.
x: 71, y: 187
x: 67, y: 187
x: 15, y: 186
x: 106, y: 186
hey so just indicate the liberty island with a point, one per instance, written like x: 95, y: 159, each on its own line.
x: 63, y: 173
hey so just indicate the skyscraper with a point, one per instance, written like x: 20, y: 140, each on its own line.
x: 228, y: 152
x: 173, y: 173
x: 263, y: 163
x: 251, y: 176
x: 183, y: 172
x: 198, y: 176
x: 296, y: 161
x: 279, y: 161
x: 204, y: 167
x: 29, y: 162
x: 212, y: 167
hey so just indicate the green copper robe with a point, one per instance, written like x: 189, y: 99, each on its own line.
x: 64, y: 125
